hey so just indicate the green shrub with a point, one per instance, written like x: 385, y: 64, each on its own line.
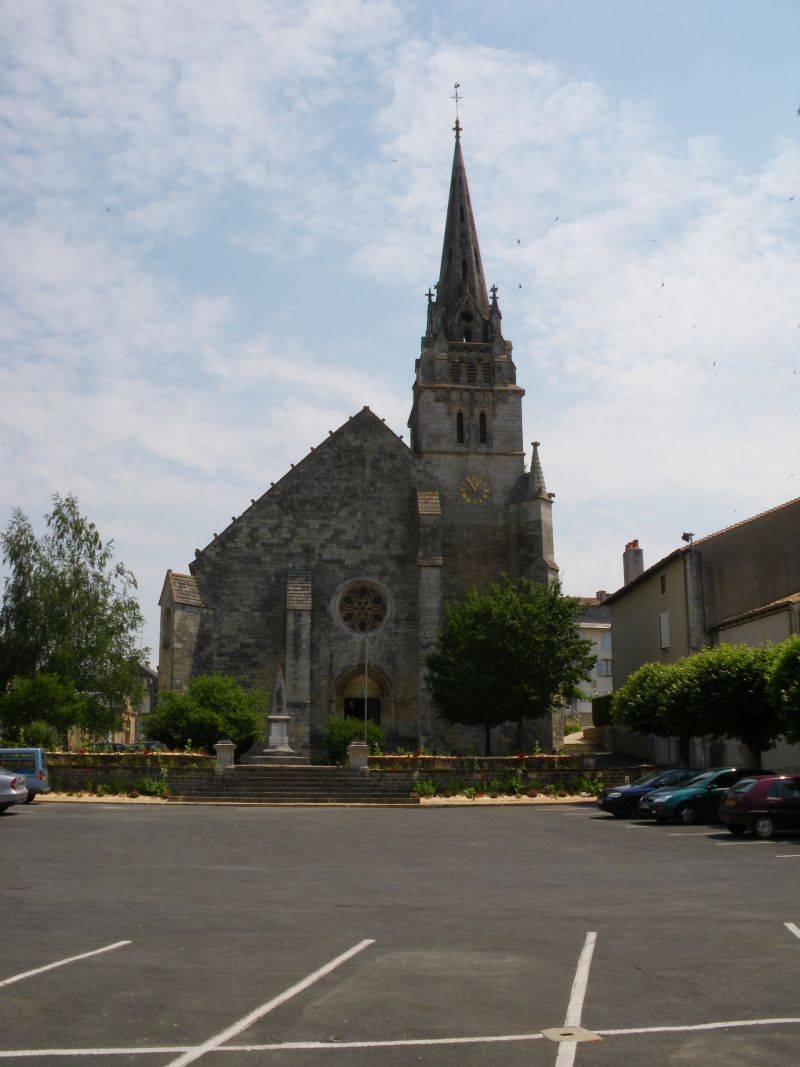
x: 214, y: 707
x: 470, y: 792
x: 601, y: 710
x: 424, y: 787
x: 340, y: 732
x: 151, y: 787
x: 39, y: 734
x: 571, y: 726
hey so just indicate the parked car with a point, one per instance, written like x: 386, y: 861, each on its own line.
x: 110, y: 746
x: 30, y: 764
x: 12, y: 789
x: 623, y: 800
x: 148, y: 746
x: 762, y: 806
x: 698, y: 799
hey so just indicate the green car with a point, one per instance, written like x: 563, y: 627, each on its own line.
x: 698, y: 799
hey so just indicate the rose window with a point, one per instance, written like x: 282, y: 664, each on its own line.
x: 362, y: 609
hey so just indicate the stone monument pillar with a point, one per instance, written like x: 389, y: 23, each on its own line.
x: 278, y: 749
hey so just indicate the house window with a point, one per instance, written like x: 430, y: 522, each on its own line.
x: 455, y: 370
x: 466, y: 325
x: 460, y: 428
x: 662, y: 584
x: 487, y: 373
x: 663, y: 629
x: 482, y: 428
x: 472, y: 376
x: 604, y: 668
x: 606, y: 642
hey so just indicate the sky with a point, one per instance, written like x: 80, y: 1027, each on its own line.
x: 218, y: 221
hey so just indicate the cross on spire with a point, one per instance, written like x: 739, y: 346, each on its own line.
x: 457, y: 96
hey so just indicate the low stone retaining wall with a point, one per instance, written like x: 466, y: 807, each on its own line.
x: 451, y: 774
x: 73, y: 772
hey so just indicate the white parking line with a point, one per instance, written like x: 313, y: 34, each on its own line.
x: 233, y: 1031
x: 793, y: 929
x: 334, y: 1046
x: 62, y: 963
x: 566, y: 1050
x: 788, y: 856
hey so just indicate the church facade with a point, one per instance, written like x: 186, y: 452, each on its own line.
x: 301, y: 584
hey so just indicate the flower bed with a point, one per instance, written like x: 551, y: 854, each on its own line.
x: 474, y: 776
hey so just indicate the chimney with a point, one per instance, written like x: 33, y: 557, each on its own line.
x: 601, y: 594
x: 632, y: 562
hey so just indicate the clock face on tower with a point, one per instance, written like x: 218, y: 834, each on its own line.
x: 474, y: 490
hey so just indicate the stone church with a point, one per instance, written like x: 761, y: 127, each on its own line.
x: 301, y: 583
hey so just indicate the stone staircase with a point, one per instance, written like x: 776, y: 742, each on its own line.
x: 271, y: 784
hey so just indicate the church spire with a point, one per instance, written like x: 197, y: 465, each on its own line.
x: 461, y: 278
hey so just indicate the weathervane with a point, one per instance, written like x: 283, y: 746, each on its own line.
x: 457, y: 96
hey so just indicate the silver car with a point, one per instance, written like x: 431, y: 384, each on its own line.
x: 12, y: 789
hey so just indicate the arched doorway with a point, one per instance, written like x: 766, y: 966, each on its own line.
x: 350, y: 694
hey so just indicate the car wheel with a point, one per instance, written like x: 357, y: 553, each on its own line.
x: 686, y: 814
x: 3, y: 807
x: 764, y: 827
x: 737, y: 831
x: 29, y: 799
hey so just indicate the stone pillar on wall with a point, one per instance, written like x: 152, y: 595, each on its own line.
x: 429, y: 602
x: 298, y: 657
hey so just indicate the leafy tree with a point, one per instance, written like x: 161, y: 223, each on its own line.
x: 68, y: 611
x: 718, y: 692
x: 506, y: 654
x: 44, y: 697
x: 783, y: 687
x: 214, y: 706
x: 724, y: 694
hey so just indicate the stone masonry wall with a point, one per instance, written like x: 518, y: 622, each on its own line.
x: 346, y: 512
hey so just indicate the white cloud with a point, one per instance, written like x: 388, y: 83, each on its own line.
x: 126, y: 126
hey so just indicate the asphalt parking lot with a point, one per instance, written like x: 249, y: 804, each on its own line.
x: 302, y: 936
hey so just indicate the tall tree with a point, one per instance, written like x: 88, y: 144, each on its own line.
x: 506, y: 654
x: 784, y: 687
x: 68, y: 610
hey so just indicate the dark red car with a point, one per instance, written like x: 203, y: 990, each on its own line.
x: 762, y: 806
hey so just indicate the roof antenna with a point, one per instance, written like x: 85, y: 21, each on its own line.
x: 457, y: 96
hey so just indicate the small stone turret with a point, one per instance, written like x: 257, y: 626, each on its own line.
x: 531, y: 524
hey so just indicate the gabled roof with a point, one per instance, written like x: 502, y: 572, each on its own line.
x: 698, y: 543
x: 365, y: 415
x: 183, y: 589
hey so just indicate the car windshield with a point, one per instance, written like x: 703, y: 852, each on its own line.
x: 701, y: 779
x: 745, y: 785
x: 650, y: 777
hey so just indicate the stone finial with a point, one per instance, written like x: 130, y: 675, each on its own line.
x: 537, y: 475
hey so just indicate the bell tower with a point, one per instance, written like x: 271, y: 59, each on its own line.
x: 466, y: 415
